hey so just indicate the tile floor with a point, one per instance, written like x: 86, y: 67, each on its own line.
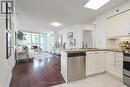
x: 103, y: 80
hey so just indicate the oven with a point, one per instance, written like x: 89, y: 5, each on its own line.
x: 126, y: 69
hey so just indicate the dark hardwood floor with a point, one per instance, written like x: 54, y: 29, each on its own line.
x: 37, y: 73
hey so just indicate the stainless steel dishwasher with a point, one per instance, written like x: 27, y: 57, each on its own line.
x: 76, y: 66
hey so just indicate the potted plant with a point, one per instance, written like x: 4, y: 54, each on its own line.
x: 20, y: 37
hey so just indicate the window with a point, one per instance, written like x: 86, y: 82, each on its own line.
x: 44, y: 41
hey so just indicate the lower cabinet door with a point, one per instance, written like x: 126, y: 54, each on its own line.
x: 90, y: 63
x: 109, y: 62
x: 119, y: 68
x: 99, y: 62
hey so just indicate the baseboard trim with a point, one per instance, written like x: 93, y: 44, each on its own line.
x: 9, y: 79
x: 116, y: 77
x: 95, y: 74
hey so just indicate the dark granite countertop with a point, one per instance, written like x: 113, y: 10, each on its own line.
x: 90, y: 49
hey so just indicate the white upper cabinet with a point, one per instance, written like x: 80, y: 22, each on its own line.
x: 119, y: 25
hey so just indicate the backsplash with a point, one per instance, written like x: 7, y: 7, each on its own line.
x: 115, y: 43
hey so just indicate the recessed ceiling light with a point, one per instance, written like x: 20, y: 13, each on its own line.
x: 56, y: 24
x: 95, y: 4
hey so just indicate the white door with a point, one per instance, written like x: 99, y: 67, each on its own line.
x: 90, y: 63
x: 88, y: 38
x: 99, y: 62
x: 109, y: 62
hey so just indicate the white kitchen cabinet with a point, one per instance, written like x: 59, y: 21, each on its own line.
x: 114, y: 64
x: 94, y: 62
x: 99, y: 62
x: 90, y: 63
x: 109, y: 62
x: 64, y: 65
x: 112, y: 27
x: 119, y: 25
x: 119, y: 66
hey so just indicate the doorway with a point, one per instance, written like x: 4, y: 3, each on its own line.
x: 88, y: 39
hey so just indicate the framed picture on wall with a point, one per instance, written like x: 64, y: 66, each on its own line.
x: 73, y: 42
x: 10, y: 5
x: 70, y: 35
x: 8, y: 18
x: 8, y: 45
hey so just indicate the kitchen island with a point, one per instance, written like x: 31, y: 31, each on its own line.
x: 77, y: 64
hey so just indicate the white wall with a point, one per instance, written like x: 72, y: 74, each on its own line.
x: 6, y: 65
x: 100, y: 34
x: 77, y: 34
x: 50, y: 42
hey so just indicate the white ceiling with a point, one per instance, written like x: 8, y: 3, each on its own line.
x: 36, y: 15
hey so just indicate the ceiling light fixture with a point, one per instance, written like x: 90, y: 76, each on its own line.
x: 95, y: 4
x: 56, y: 24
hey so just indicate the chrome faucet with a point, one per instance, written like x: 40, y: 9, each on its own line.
x: 64, y: 45
x: 86, y: 45
x: 83, y: 45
